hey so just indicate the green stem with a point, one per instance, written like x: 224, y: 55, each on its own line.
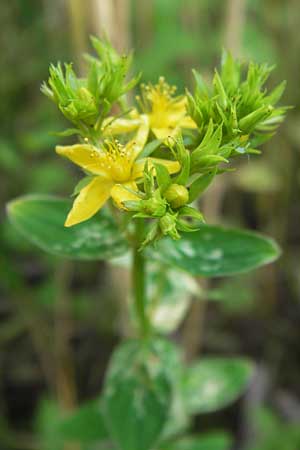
x: 139, y: 280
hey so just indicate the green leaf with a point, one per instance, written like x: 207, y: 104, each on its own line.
x: 81, y: 184
x: 47, y: 421
x: 40, y: 219
x: 185, y: 163
x: 207, y: 441
x: 163, y: 177
x: 215, y: 251
x: 149, y: 148
x: 189, y: 211
x: 200, y: 83
x: 66, y: 133
x: 137, y: 396
x: 57, y: 431
x: 220, y: 91
x: 169, y: 296
x: 85, y: 425
x: 214, y: 383
x: 230, y: 72
x: 201, y: 184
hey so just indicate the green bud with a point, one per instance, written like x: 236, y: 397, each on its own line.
x: 251, y: 120
x: 154, y: 207
x: 203, y: 163
x: 167, y: 225
x: 177, y: 195
x: 85, y: 95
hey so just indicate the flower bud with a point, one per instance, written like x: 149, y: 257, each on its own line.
x: 167, y: 225
x: 155, y: 207
x: 177, y: 195
x: 251, y: 120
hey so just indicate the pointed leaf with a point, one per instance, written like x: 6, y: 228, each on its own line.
x: 137, y: 396
x: 215, y: 251
x: 201, y: 184
x: 84, y: 425
x: 162, y: 176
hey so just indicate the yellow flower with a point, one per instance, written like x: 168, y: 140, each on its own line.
x: 167, y: 114
x: 115, y: 168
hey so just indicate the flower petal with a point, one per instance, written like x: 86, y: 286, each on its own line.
x: 119, y: 126
x: 121, y: 193
x: 140, y: 139
x: 138, y: 167
x: 90, y: 199
x: 164, y: 133
x: 84, y: 155
x: 187, y: 122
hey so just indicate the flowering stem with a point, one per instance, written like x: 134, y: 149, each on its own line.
x: 139, y: 280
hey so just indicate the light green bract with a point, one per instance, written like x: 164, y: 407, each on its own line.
x: 40, y: 219
x: 214, y: 251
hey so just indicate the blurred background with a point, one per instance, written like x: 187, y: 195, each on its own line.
x: 59, y: 320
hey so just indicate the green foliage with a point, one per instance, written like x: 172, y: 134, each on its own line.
x: 169, y: 293
x: 238, y: 124
x: 274, y: 433
x: 234, y: 115
x: 40, y: 219
x: 86, y: 101
x: 48, y: 419
x: 208, y: 441
x: 227, y: 120
x: 85, y: 425
x: 215, y: 251
x: 137, y: 395
x: 57, y: 429
x: 213, y: 383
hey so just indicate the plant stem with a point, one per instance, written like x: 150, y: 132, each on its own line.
x: 139, y: 280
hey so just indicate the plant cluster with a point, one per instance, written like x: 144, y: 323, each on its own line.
x: 150, y: 163
x: 155, y: 158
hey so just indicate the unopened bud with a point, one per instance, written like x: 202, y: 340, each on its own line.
x: 177, y: 195
x: 251, y: 120
x: 154, y: 207
x: 167, y: 225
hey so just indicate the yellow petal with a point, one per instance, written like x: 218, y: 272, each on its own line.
x: 138, y: 167
x: 84, y: 155
x: 164, y: 133
x: 121, y: 193
x: 119, y: 126
x: 140, y: 139
x: 187, y: 122
x: 90, y: 199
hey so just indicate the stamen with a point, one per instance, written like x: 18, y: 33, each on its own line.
x: 160, y: 95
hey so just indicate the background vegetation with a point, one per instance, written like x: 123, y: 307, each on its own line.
x: 58, y: 319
